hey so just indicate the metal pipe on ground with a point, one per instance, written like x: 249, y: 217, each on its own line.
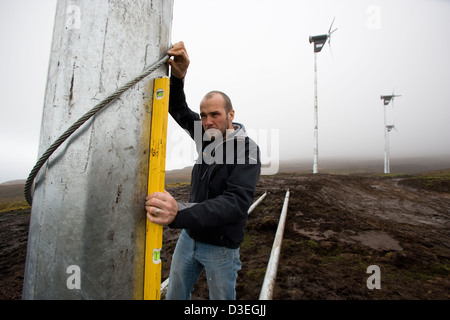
x: 256, y: 203
x: 272, y: 266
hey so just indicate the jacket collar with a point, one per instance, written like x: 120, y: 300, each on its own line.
x: 239, y: 131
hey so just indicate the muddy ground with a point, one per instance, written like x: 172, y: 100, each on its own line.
x: 337, y: 226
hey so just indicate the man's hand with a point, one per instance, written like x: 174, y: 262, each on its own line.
x: 161, y: 208
x: 180, y: 61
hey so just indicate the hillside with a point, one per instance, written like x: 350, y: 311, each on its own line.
x: 12, y: 197
x: 337, y: 226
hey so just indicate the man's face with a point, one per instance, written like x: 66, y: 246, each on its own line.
x: 214, y: 116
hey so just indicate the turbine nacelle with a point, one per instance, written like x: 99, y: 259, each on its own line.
x: 319, y: 41
x: 387, y: 99
x: 390, y: 127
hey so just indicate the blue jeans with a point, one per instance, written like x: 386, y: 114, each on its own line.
x: 191, y: 257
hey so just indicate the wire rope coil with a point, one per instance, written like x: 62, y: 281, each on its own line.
x: 82, y: 120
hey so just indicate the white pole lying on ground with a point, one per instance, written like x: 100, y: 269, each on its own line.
x: 272, y: 266
x: 255, y: 204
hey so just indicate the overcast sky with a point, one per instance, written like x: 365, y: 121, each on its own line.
x: 259, y: 54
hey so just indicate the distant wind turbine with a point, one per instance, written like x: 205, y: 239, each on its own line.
x: 387, y: 129
x: 319, y: 43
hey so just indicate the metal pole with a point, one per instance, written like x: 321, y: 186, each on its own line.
x: 386, y: 165
x: 316, y: 119
x: 256, y: 203
x: 272, y: 266
x: 87, y: 227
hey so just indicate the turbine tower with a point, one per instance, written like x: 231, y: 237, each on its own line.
x: 319, y: 42
x: 387, y: 129
x: 387, y: 154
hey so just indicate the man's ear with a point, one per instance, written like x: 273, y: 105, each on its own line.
x: 231, y: 115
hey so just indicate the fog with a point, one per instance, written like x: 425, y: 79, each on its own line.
x: 258, y: 52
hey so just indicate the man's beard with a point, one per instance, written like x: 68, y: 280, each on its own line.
x: 214, y: 132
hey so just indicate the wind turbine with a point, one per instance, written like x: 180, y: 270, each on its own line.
x: 319, y: 43
x: 387, y: 129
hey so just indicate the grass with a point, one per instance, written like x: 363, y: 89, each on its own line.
x: 13, y: 205
x: 439, y: 181
x: 248, y: 242
x: 176, y: 184
x: 256, y: 274
x: 433, y: 178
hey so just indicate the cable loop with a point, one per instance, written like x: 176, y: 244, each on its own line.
x: 81, y: 121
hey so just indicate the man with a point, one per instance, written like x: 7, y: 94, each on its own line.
x: 223, y: 184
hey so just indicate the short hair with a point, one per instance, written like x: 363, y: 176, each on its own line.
x: 228, y: 105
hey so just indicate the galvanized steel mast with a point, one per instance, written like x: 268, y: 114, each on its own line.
x: 88, y: 221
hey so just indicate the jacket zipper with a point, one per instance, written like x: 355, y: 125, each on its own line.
x: 200, y: 183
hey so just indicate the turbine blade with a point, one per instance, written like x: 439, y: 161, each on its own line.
x: 329, y: 46
x: 331, y: 25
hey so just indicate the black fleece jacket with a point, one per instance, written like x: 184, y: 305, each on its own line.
x: 223, y: 179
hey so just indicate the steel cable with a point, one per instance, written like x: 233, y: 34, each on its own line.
x: 81, y: 121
